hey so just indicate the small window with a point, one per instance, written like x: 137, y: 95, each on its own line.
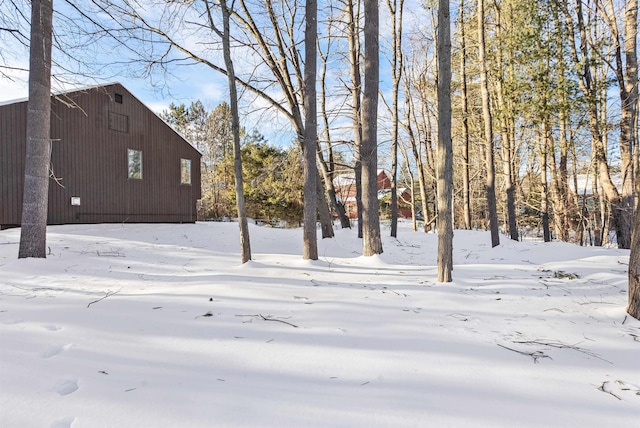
x: 185, y: 171
x: 118, y: 98
x: 135, y: 164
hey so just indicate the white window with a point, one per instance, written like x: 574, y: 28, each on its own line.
x: 135, y: 164
x: 185, y: 171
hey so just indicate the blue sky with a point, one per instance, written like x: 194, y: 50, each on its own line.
x: 186, y: 83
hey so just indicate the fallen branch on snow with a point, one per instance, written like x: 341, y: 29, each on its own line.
x: 561, y: 345
x: 603, y: 389
x: 109, y: 293
x: 269, y: 318
x: 535, y: 354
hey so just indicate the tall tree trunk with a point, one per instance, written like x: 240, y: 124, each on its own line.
x: 327, y: 167
x: 562, y: 196
x: 310, y: 234
x: 356, y: 110
x: 395, y: 9
x: 371, y: 240
x: 466, y: 193
x: 33, y: 234
x: 245, y: 244
x: 422, y: 181
x: 488, y: 131
x: 544, y: 196
x: 628, y: 131
x: 634, y: 268
x: 505, y: 107
x: 445, y: 146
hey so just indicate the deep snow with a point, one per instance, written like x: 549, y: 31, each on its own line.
x: 141, y: 325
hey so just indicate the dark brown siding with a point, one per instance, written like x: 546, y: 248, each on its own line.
x: 13, y: 123
x: 89, y: 161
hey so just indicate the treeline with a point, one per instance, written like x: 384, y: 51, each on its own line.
x: 544, y: 115
x: 555, y: 138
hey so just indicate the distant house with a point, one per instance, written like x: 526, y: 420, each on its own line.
x: 112, y: 160
x: 345, y: 185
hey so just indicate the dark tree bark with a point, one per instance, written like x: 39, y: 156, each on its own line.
x: 488, y: 131
x: 628, y: 121
x: 445, y: 146
x: 544, y: 197
x: 634, y: 268
x: 371, y: 240
x: 310, y: 235
x: 466, y: 193
x: 395, y: 8
x: 33, y: 234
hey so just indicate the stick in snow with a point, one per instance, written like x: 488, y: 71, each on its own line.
x: 109, y: 293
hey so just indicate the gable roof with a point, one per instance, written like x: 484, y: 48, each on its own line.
x: 65, y: 98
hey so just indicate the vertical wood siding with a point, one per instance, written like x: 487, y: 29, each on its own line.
x: 89, y: 160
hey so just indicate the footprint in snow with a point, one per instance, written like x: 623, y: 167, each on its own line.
x: 51, y: 327
x: 64, y: 423
x: 66, y: 386
x: 13, y: 321
x: 53, y: 350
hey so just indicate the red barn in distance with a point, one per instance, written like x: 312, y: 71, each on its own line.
x: 345, y: 185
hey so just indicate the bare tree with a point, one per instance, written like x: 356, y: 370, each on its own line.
x: 584, y: 65
x: 245, y: 244
x: 466, y: 193
x: 445, y: 146
x: 328, y: 165
x: 33, y: 234
x: 353, y: 26
x: 396, y: 10
x: 310, y: 238
x: 371, y: 240
x: 488, y: 130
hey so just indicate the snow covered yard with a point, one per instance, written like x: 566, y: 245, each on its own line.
x: 160, y: 326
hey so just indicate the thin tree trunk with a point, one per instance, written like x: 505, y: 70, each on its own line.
x: 356, y: 90
x: 310, y: 234
x: 245, y: 245
x: 507, y: 134
x: 328, y: 166
x: 488, y: 131
x: 445, y: 146
x: 634, y: 269
x: 371, y: 240
x: 544, y: 197
x: 33, y: 234
x: 396, y: 74
x: 331, y: 196
x: 422, y: 183
x: 324, y: 214
x: 561, y: 184
x: 466, y: 193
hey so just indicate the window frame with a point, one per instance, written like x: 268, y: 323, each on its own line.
x: 132, y: 174
x: 185, y: 172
